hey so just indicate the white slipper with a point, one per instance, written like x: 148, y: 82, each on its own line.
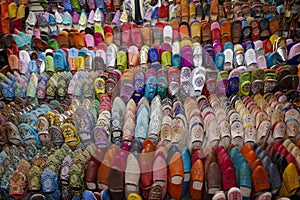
x: 168, y: 34
x: 234, y: 194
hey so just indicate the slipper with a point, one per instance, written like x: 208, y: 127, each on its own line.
x: 7, y: 91
x: 33, y: 67
x: 82, y: 21
x: 89, y: 41
x: 63, y: 39
x: 163, y: 12
x: 30, y: 23
x: 206, y: 11
x: 150, y: 85
x: 24, y: 55
x: 133, y: 58
x: 236, y: 30
x: 228, y: 53
x: 185, y: 80
x: 217, y: 46
x: 250, y: 58
x: 157, y: 36
x: 154, y: 59
x: 122, y: 61
x: 293, y: 56
x: 67, y: 5
x: 12, y: 10
x: 245, y: 84
x: 126, y: 35
x: 54, y: 29
x: 111, y: 55
x: 209, y: 56
x: 148, y: 15
x: 67, y: 20
x: 166, y: 59
x: 79, y: 40
x: 173, y: 80
x: 195, y: 28
x: 101, y: 53
x: 219, y: 61
x: 132, y: 175
x: 59, y: 20
x: 53, y: 44
x: 215, y: 30
x: 21, y: 12
x: 274, y: 26
x: 214, y: 10
x: 198, y: 56
x: 272, y: 59
x: 136, y: 36
x: 225, y: 32
x: 257, y: 80
x: 13, y: 62
x: 187, y: 56
x: 64, y: 56
x: 234, y: 193
x: 20, y: 42
x: 168, y: 34
x: 198, y: 81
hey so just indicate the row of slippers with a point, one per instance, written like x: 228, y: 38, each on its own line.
x: 159, y: 14
x: 254, y: 171
x: 261, y: 54
x: 192, y: 57
x: 239, y: 121
x: 54, y: 23
x: 276, y: 120
x: 164, y: 10
x: 264, y: 53
x: 39, y: 82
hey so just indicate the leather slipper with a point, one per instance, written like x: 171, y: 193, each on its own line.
x: 160, y: 173
x: 234, y: 193
x: 236, y: 30
x: 225, y: 32
x: 63, y: 39
x: 197, y: 179
x: 175, y: 176
x: 195, y: 28
x: 206, y: 32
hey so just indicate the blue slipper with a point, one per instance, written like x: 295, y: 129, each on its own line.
x: 59, y: 62
x: 49, y: 182
x: 67, y: 5
x: 186, y: 158
x: 64, y: 56
x: 7, y: 91
x: 33, y: 68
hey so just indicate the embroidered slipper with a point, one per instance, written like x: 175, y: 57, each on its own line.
x: 63, y: 40
x: 168, y: 34
x: 245, y: 84
x: 195, y: 28
x: 157, y: 36
x: 126, y: 35
x: 185, y: 80
x: 228, y: 53
x: 59, y: 20
x: 67, y: 20
x: 136, y: 36
x: 82, y: 21
x: 173, y: 80
x: 236, y: 30
x: 150, y: 84
x: 214, y: 10
x: 225, y: 32
x: 250, y: 59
